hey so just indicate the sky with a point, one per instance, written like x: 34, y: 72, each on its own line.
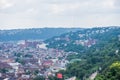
x: 15, y: 14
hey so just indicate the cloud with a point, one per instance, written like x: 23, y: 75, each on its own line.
x: 117, y: 3
x: 5, y: 4
x: 43, y: 13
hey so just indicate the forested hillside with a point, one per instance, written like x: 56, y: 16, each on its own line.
x: 84, y: 38
x: 33, y: 33
x: 97, y: 49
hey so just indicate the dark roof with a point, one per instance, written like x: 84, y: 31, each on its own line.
x: 1, y: 78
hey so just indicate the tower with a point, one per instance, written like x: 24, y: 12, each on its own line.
x: 39, y: 62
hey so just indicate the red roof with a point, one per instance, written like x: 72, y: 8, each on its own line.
x: 59, y: 75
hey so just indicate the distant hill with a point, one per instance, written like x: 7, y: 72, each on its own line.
x: 33, y: 34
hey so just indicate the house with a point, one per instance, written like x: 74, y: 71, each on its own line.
x: 4, y: 65
x: 47, y: 63
x: 24, y: 77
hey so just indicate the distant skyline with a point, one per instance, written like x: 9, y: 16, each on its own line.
x: 19, y: 14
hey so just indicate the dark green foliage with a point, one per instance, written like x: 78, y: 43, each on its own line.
x: 67, y: 41
x: 54, y: 78
x: 112, y: 72
x: 95, y: 58
x: 39, y: 78
x: 4, y: 70
x: 19, y: 60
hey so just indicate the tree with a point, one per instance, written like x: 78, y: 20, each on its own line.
x: 39, y: 78
x: 111, y: 73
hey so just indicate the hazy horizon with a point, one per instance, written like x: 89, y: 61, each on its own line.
x: 58, y: 27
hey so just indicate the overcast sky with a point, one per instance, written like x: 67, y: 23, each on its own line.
x: 58, y: 13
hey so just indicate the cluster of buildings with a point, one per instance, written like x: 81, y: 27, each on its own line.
x: 88, y: 42
x: 25, y: 60
x: 84, y: 38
